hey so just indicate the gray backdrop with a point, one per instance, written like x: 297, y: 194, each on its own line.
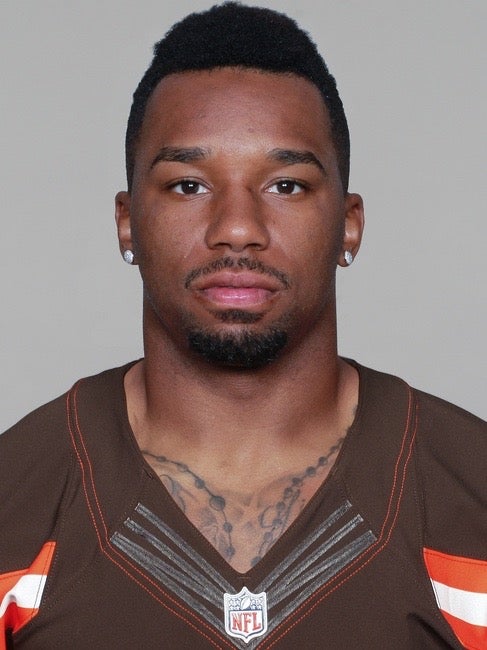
x: 412, y: 77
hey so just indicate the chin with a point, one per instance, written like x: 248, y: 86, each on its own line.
x: 245, y: 350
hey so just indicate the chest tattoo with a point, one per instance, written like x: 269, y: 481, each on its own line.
x: 231, y: 521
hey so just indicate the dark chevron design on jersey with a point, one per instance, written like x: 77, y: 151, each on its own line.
x: 178, y: 567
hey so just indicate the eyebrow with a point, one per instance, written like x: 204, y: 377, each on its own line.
x: 180, y: 154
x: 195, y: 154
x: 294, y: 157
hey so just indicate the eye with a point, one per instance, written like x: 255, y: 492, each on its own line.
x: 286, y: 186
x: 189, y: 187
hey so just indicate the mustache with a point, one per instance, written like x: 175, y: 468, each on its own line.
x: 241, y: 263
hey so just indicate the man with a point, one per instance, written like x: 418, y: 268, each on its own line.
x: 242, y: 486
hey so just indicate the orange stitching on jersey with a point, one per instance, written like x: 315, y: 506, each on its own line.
x: 190, y: 612
x: 90, y: 467
x: 80, y: 461
x: 367, y: 551
x: 396, y: 468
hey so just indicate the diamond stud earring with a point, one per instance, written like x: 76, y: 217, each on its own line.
x: 128, y: 256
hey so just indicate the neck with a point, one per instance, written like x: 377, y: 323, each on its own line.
x: 303, y: 398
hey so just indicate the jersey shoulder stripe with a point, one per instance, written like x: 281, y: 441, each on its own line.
x: 460, y: 586
x: 21, y: 592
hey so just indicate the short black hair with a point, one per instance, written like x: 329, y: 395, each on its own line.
x: 236, y: 35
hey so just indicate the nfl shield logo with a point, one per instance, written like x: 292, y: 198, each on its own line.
x: 245, y: 614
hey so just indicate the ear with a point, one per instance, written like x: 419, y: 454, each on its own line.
x: 354, y: 227
x: 122, y: 217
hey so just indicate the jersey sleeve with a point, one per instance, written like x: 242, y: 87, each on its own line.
x: 35, y: 464
x: 452, y: 461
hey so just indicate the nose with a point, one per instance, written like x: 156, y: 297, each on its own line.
x: 237, y: 221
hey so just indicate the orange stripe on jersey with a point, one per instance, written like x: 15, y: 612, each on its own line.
x: 21, y: 592
x: 472, y: 637
x: 456, y: 571
x: 460, y: 586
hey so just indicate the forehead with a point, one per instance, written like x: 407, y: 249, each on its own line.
x: 245, y: 105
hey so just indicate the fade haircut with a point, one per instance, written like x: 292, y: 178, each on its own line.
x: 236, y: 35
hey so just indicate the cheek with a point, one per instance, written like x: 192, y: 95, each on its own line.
x: 315, y: 254
x: 316, y: 245
x: 162, y: 239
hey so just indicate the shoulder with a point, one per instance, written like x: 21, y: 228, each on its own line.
x: 30, y: 450
x: 38, y: 469
x: 435, y: 410
x: 449, y: 454
x: 44, y: 429
x: 34, y: 468
x: 450, y: 458
x: 452, y: 442
x: 441, y: 426
x: 450, y: 436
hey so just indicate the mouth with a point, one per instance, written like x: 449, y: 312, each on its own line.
x: 237, y: 289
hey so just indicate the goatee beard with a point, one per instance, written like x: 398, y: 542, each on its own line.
x: 245, y: 350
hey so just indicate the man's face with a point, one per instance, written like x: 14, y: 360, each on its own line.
x: 237, y: 216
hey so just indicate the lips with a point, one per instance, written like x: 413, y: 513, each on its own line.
x: 242, y: 289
